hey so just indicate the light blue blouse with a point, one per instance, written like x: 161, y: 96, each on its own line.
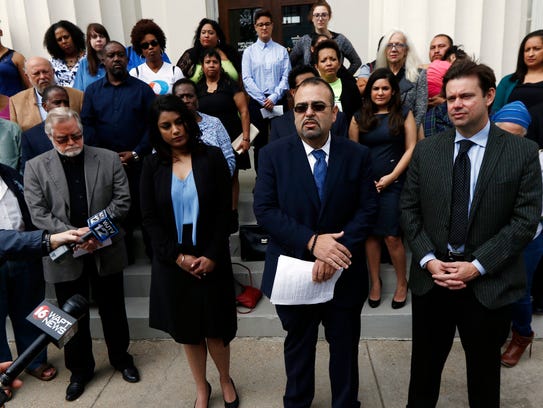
x: 83, y: 78
x: 185, y: 204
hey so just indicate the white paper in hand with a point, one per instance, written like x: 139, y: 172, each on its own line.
x: 293, y: 284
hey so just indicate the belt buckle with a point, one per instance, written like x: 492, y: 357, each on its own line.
x: 455, y: 256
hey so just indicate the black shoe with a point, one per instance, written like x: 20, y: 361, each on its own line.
x: 235, y: 403
x: 398, y: 305
x: 374, y: 303
x: 75, y: 390
x: 130, y: 374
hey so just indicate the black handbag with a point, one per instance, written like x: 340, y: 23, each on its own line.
x: 253, y: 241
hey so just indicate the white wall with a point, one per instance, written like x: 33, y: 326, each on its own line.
x: 489, y: 29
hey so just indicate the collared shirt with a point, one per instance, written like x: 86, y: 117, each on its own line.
x: 115, y: 116
x: 43, y: 113
x: 265, y: 68
x: 309, y: 150
x: 11, y: 217
x: 476, y: 154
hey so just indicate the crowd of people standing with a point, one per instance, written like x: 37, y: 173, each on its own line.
x: 353, y: 162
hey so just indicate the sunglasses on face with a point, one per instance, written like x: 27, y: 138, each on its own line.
x: 62, y: 140
x: 315, y: 107
x: 145, y: 45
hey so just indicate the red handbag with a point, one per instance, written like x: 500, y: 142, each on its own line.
x: 249, y: 295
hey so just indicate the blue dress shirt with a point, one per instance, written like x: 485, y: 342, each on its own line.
x: 265, y: 68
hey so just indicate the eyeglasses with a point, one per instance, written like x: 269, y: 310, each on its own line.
x: 267, y: 24
x: 64, y: 139
x: 398, y: 46
x: 315, y: 107
x: 320, y: 15
x: 145, y: 45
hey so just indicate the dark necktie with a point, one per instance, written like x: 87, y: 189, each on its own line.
x: 460, y: 195
x: 319, y: 170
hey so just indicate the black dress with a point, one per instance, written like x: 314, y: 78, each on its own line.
x: 187, y: 308
x: 221, y: 104
x: 531, y: 94
x: 386, y: 151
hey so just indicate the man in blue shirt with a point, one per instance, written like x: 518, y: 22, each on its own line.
x: 264, y: 68
x: 114, y: 117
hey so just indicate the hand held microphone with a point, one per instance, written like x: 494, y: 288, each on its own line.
x: 58, y: 325
x: 101, y: 227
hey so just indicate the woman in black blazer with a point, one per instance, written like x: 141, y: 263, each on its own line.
x: 186, y: 204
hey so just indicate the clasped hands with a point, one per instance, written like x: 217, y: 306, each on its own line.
x: 452, y: 275
x: 197, y: 267
x: 331, y: 256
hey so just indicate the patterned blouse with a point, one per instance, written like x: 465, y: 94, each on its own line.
x: 65, y: 76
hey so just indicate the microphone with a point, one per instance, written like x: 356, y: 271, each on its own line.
x: 101, y: 227
x: 58, y: 325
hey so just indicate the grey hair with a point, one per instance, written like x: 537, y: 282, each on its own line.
x: 412, y: 61
x: 58, y: 115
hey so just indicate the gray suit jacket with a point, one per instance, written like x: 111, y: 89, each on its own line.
x: 47, y: 196
x: 504, y: 213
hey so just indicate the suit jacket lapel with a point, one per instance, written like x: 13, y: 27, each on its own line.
x: 491, y: 158
x: 92, y: 163
x: 56, y: 172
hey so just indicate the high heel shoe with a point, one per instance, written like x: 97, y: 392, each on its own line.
x: 374, y: 303
x: 398, y: 304
x: 235, y: 403
x: 516, y: 348
x: 208, y: 394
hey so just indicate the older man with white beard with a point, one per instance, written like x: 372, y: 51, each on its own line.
x: 63, y: 188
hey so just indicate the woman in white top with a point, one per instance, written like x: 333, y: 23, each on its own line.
x: 149, y: 40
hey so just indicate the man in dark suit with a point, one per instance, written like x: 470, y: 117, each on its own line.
x: 284, y: 124
x: 320, y: 218
x: 34, y: 141
x: 63, y: 188
x: 470, y: 204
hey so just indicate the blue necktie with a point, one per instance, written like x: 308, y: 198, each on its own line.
x: 319, y: 170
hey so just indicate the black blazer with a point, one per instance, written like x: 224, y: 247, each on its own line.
x: 34, y: 142
x: 213, y: 185
x: 287, y: 205
x: 504, y: 213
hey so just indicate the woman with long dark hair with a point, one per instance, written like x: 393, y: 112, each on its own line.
x: 91, y: 67
x: 65, y: 42
x: 185, y: 202
x: 208, y: 35
x: 390, y: 132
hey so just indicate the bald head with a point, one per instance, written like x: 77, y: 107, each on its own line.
x: 40, y: 73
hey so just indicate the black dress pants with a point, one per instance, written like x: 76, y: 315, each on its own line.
x: 436, y: 316
x: 108, y: 292
x: 342, y: 332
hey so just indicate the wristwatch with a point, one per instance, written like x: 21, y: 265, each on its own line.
x: 135, y: 156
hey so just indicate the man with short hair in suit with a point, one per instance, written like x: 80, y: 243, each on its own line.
x: 25, y: 107
x: 284, y: 125
x: 315, y: 196
x: 63, y: 188
x: 34, y: 141
x: 470, y: 204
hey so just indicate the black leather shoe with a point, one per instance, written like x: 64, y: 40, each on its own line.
x: 74, y: 390
x: 130, y: 374
x: 398, y: 305
x: 235, y: 403
x: 374, y: 303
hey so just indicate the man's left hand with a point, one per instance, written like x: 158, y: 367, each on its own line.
x: 322, y: 271
x: 126, y: 157
x: 457, y: 275
x: 268, y: 104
